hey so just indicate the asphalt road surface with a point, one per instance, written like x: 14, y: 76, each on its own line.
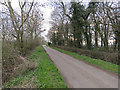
x: 78, y: 74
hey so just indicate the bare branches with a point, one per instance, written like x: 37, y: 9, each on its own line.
x: 23, y: 5
x: 27, y: 15
x: 64, y: 11
x: 5, y: 13
x: 4, y: 3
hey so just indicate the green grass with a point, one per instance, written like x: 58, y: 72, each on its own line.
x: 97, y: 62
x: 46, y: 75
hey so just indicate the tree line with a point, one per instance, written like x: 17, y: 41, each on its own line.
x: 79, y: 25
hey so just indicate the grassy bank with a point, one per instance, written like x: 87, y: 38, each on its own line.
x: 97, y: 62
x: 46, y: 75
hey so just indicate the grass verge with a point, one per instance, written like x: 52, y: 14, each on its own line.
x: 97, y: 62
x: 46, y: 75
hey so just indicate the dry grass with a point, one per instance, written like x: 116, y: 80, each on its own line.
x: 26, y: 65
x: 12, y: 62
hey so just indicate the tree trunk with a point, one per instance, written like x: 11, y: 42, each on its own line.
x: 106, y: 37
x: 96, y: 37
x: 21, y: 43
x: 88, y: 37
x: 119, y: 51
x: 101, y: 40
x: 116, y: 41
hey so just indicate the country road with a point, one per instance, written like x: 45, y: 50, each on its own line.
x: 78, y: 74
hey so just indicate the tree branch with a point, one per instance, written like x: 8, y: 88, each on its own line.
x: 27, y: 15
x: 64, y: 11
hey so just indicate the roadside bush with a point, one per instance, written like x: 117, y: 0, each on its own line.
x: 29, y: 46
x: 9, y: 60
x: 96, y: 54
x: 13, y: 65
x: 84, y: 52
x: 72, y: 49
